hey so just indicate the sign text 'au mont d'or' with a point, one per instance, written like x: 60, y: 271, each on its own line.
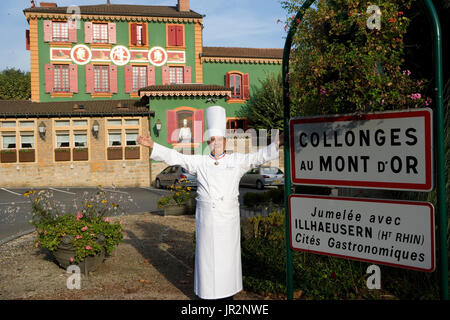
x: 393, y: 233
x: 388, y: 150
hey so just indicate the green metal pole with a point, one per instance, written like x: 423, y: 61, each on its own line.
x: 440, y: 146
x: 287, y: 159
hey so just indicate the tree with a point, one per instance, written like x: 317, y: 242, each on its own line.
x: 15, y: 85
x: 339, y: 65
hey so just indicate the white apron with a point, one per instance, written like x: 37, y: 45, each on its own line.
x: 218, y: 270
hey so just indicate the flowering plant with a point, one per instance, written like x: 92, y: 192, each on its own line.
x: 179, y: 195
x: 89, y: 229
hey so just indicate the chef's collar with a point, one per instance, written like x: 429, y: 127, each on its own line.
x: 217, y: 158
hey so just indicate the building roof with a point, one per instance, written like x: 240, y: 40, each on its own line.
x: 122, y: 10
x: 95, y: 108
x: 233, y: 52
x: 193, y: 89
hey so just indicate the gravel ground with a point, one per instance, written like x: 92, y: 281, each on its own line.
x: 155, y: 261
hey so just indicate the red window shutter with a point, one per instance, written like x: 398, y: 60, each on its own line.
x: 144, y: 34
x: 128, y: 79
x: 227, y: 80
x: 27, y: 39
x: 111, y: 32
x: 49, y: 78
x: 48, y: 31
x: 88, y: 32
x: 133, y: 34
x: 172, y: 36
x: 113, y: 78
x: 172, y: 131
x: 179, y: 35
x: 199, y: 126
x: 151, y: 81
x: 72, y: 30
x: 89, y: 78
x: 246, y: 86
x: 187, y: 75
x: 165, y: 75
x: 73, y: 78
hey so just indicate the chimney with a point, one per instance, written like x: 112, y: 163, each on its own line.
x: 183, y: 5
x: 32, y: 4
x: 48, y: 5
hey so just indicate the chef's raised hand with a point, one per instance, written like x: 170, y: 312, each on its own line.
x: 146, y: 141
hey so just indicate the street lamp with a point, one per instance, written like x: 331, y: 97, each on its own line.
x: 158, y: 127
x: 95, y: 127
x: 42, y: 130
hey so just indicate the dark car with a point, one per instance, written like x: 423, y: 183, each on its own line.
x: 263, y: 176
x: 173, y: 175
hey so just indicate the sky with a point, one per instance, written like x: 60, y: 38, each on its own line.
x: 229, y: 23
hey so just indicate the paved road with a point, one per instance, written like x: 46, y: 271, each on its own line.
x: 15, y: 208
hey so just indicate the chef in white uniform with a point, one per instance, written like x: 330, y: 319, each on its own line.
x: 218, y: 271
x: 185, y: 135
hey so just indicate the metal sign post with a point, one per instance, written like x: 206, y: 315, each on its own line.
x: 439, y: 146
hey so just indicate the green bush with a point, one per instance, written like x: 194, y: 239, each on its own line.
x: 275, y: 196
x: 318, y: 276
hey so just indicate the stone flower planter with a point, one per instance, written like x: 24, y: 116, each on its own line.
x: 65, y: 251
x: 62, y: 154
x: 174, y: 210
x: 80, y: 154
x: 26, y: 155
x: 132, y: 152
x: 115, y: 153
x: 8, y: 156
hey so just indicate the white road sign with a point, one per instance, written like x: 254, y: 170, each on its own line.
x: 393, y: 233
x: 388, y: 150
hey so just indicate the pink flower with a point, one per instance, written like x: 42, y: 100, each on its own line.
x: 78, y: 237
x: 323, y: 91
x: 107, y: 219
x: 416, y: 96
x: 428, y: 101
x: 407, y: 72
x: 84, y: 228
x: 88, y: 248
x: 79, y: 215
x: 71, y: 259
x: 382, y: 102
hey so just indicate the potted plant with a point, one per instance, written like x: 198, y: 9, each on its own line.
x: 81, y: 238
x: 26, y: 155
x: 179, y: 202
x: 8, y: 155
x: 115, y: 153
x: 132, y: 152
x: 80, y: 154
x: 62, y: 154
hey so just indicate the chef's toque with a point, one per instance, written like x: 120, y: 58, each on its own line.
x: 216, y: 121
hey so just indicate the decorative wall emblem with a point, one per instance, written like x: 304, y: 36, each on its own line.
x: 81, y: 54
x: 157, y: 56
x: 176, y: 57
x: 60, y: 54
x: 120, y: 55
x: 101, y: 55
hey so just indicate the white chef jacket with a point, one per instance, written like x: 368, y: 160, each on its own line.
x: 218, y: 271
x: 185, y: 135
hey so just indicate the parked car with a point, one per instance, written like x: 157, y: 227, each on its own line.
x: 173, y: 175
x: 263, y: 176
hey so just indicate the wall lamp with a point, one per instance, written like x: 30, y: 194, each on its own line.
x: 95, y: 127
x: 158, y: 127
x: 42, y: 130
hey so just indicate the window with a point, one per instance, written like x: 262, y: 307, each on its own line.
x: 114, y: 122
x: 62, y: 139
x: 26, y: 140
x: 61, y: 78
x: 80, y: 123
x: 100, y: 33
x: 235, y: 124
x: 101, y: 78
x: 62, y: 123
x: 131, y: 122
x: 114, y: 138
x: 236, y: 85
x: 26, y: 123
x: 8, y: 124
x: 175, y: 36
x: 80, y: 139
x: 131, y: 138
x: 139, y: 77
x: 9, y: 141
x: 60, y: 31
x: 176, y: 75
